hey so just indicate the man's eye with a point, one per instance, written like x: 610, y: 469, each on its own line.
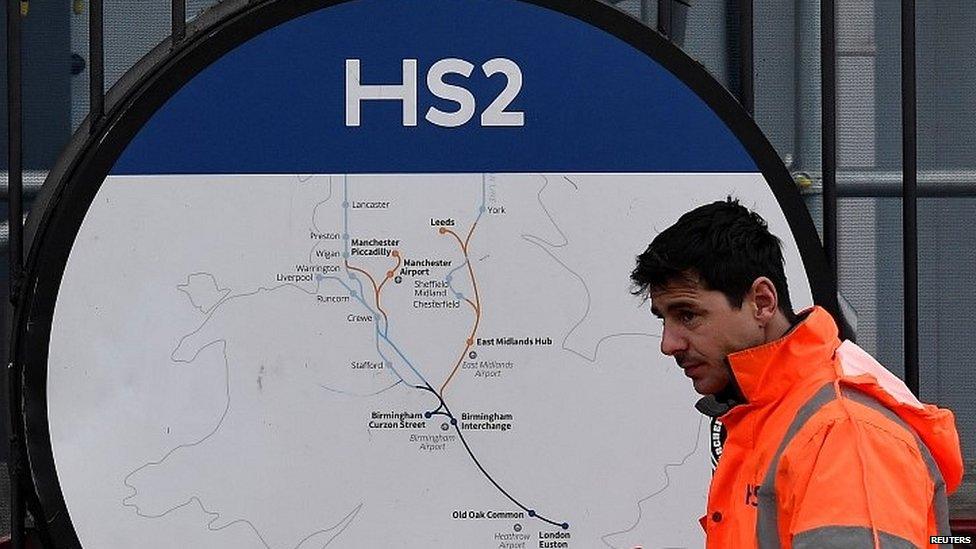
x: 687, y: 316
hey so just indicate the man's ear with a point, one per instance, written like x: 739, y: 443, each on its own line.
x: 764, y: 299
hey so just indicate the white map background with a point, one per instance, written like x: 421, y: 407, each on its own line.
x: 196, y: 401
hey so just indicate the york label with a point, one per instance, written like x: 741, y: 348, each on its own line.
x: 406, y: 92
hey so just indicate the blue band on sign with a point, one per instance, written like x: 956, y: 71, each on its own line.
x: 489, y: 86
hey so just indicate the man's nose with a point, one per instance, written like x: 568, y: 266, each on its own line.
x: 672, y: 341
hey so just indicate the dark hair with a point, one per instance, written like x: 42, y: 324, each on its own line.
x: 722, y: 245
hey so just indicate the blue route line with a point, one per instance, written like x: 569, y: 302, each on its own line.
x: 358, y: 296
x: 449, y: 278
x: 381, y: 332
x: 384, y: 335
x: 346, y: 238
x: 481, y: 209
x: 345, y: 214
x: 484, y: 178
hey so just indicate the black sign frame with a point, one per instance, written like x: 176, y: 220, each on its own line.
x: 73, y: 183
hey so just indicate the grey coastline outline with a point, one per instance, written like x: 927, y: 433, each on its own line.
x: 378, y: 333
x: 542, y: 244
x: 344, y: 523
x: 652, y: 495
x: 424, y: 385
x: 315, y: 210
x: 220, y: 292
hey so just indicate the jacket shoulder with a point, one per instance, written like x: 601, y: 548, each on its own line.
x: 855, y: 467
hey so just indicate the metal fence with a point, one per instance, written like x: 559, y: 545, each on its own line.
x: 869, y: 103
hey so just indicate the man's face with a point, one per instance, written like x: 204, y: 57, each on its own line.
x: 701, y: 328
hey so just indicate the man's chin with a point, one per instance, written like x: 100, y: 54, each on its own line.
x: 707, y: 387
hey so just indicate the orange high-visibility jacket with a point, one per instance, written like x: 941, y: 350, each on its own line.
x: 829, y: 450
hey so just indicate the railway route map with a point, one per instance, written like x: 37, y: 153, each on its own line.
x: 392, y: 360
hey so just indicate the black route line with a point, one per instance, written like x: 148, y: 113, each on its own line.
x: 531, y: 512
x: 441, y: 410
x: 454, y: 422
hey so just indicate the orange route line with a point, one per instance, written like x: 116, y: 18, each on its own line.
x: 476, y: 304
x: 464, y: 249
x: 392, y: 272
x: 378, y: 289
x: 369, y: 276
x: 477, y: 298
x: 454, y: 371
x: 468, y: 238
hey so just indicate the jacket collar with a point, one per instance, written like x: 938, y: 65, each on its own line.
x: 764, y: 373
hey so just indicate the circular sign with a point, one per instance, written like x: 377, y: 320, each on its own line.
x: 356, y: 275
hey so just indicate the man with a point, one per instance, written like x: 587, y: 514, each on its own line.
x: 825, y: 447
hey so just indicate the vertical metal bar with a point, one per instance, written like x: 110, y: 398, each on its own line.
x: 807, y: 132
x: 746, y: 56
x: 179, y: 20
x: 909, y: 191
x: 798, y: 27
x: 664, y: 17
x: 15, y: 143
x: 15, y: 185
x: 828, y: 113
x: 96, y: 63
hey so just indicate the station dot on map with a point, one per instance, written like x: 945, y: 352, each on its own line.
x: 353, y: 293
x: 453, y: 421
x: 345, y: 204
x: 531, y: 513
x: 481, y: 209
x: 458, y: 295
x: 565, y: 525
x: 345, y: 255
x: 427, y: 415
x: 345, y: 236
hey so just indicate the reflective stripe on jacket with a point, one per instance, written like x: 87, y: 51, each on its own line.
x: 829, y: 450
